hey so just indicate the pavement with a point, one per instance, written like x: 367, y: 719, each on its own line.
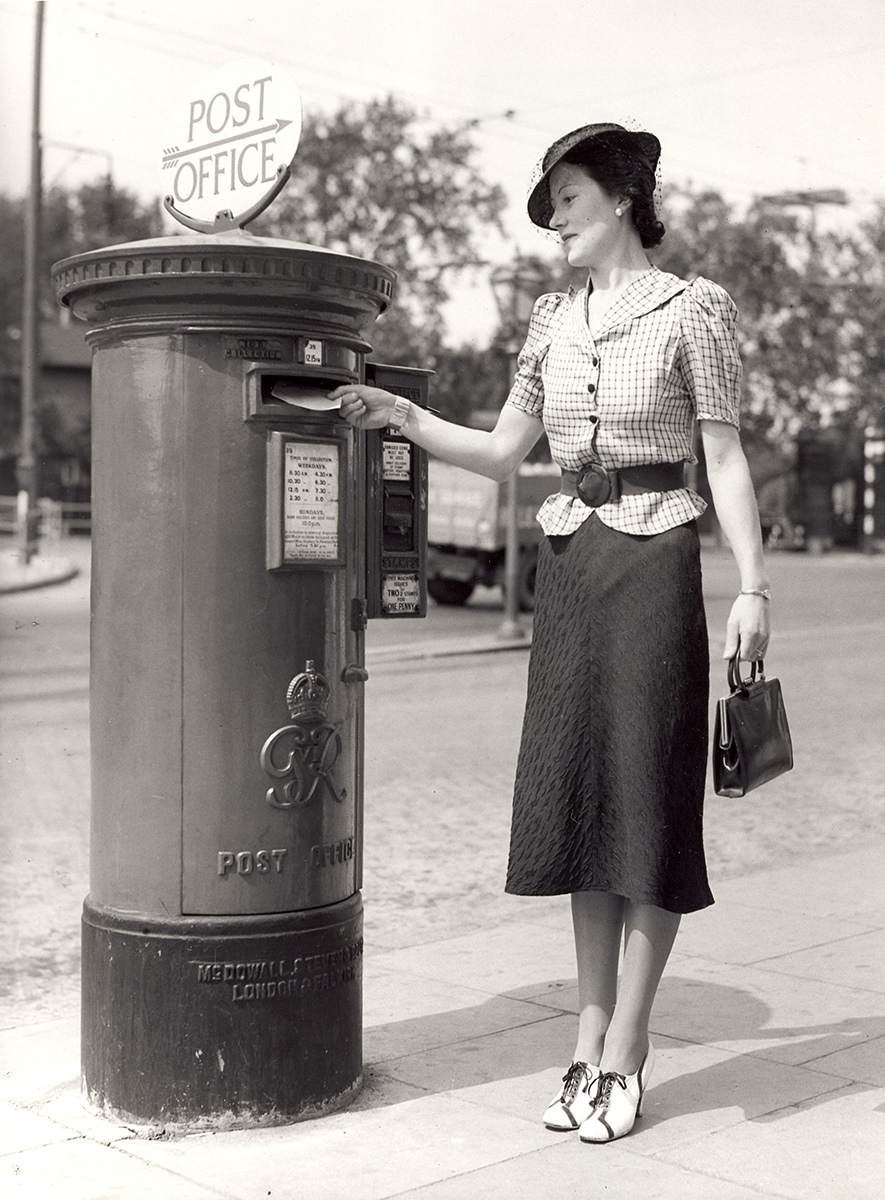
x: 770, y: 1079
x: 43, y: 569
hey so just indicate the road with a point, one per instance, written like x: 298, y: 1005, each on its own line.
x: 441, y: 735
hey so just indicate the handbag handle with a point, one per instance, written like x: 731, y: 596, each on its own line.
x: 735, y: 683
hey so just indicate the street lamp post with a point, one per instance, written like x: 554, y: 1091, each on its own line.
x: 30, y: 370
x: 515, y: 289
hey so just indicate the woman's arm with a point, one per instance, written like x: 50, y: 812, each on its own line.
x: 496, y: 453
x: 732, y: 488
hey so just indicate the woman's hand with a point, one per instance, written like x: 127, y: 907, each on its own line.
x: 748, y: 628
x: 364, y: 407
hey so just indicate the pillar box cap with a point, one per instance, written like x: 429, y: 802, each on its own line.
x: 202, y: 273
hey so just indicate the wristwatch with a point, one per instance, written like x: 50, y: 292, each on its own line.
x: 399, y: 415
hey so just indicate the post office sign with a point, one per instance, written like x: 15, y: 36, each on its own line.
x: 230, y: 142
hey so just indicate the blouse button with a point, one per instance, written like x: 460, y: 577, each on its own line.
x: 591, y: 388
x: 595, y: 362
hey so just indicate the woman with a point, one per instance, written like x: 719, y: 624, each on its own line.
x: 610, y: 780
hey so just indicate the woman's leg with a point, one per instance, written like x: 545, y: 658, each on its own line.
x: 598, y: 919
x: 649, y: 933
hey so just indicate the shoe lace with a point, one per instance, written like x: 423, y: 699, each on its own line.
x: 572, y: 1080
x: 604, y: 1086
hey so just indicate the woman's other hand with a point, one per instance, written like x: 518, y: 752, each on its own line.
x: 364, y: 407
x: 748, y: 628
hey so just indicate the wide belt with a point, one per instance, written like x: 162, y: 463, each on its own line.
x: 595, y: 484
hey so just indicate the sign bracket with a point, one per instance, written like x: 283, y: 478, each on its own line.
x: 225, y: 219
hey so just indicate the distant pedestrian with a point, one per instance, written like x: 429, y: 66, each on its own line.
x: 611, y: 772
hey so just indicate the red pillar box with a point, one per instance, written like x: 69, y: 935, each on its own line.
x: 222, y: 936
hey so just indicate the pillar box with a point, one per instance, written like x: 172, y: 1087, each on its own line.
x: 222, y: 935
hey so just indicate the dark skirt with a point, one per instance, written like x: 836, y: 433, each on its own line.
x: 610, y: 779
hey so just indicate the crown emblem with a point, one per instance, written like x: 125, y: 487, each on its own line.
x: 308, y: 695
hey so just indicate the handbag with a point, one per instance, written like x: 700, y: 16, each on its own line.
x: 751, y: 737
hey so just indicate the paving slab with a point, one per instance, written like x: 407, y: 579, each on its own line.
x: 500, y: 960
x: 739, y: 933
x: 849, y: 885
x: 368, y: 1155
x: 579, y: 1172
x: 832, y: 1146
x: 37, y: 1060
x: 23, y: 1130
x: 694, y: 1090
x: 749, y: 1010
x: 858, y: 957
x: 400, y: 1019
x: 864, y: 1062
x: 82, y: 1170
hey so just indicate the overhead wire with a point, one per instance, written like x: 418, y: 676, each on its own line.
x: 520, y: 128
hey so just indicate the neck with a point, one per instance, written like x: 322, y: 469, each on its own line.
x: 614, y: 277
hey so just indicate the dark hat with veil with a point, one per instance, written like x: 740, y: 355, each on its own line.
x: 643, y: 146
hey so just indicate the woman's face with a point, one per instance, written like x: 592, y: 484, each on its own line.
x: 583, y: 215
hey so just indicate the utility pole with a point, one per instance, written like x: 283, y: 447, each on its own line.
x: 516, y: 289
x: 30, y: 367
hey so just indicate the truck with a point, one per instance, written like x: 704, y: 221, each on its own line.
x: 467, y: 530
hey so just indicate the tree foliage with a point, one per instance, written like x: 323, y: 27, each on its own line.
x: 94, y: 215
x: 376, y: 180
x: 810, y: 307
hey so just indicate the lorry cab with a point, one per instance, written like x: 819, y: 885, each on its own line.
x: 467, y: 530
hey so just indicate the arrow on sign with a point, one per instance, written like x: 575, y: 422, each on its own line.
x: 172, y: 154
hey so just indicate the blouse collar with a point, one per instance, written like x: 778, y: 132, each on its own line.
x: 643, y: 295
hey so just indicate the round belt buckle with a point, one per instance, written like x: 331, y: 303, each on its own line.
x: 594, y: 484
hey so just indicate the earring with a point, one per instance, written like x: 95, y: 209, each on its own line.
x: 619, y: 212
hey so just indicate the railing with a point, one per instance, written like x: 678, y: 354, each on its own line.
x: 56, y: 520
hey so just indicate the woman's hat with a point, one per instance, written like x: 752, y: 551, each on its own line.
x: 644, y: 146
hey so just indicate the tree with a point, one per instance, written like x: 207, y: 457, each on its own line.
x: 806, y: 336
x: 378, y: 181
x: 94, y: 215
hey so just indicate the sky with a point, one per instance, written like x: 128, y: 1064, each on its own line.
x: 748, y: 97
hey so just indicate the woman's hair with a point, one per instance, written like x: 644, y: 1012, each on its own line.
x: 622, y: 173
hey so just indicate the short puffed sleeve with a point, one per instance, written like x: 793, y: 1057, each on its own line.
x: 527, y: 392
x: 708, y: 356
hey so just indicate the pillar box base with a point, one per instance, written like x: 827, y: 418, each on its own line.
x: 222, y: 1022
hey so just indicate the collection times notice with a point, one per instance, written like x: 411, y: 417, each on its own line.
x: 310, y: 508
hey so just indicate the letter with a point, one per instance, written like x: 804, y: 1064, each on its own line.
x: 262, y: 862
x: 268, y: 170
x: 220, y: 163
x: 233, y: 168
x: 278, y: 856
x: 218, y: 96
x: 245, y: 863
x: 194, y: 117
x: 205, y: 160
x: 225, y: 860
x: 244, y: 87
x: 204, y: 972
x: 246, y: 182
x: 176, y: 186
x: 228, y: 972
x: 259, y: 83
x: 216, y: 972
